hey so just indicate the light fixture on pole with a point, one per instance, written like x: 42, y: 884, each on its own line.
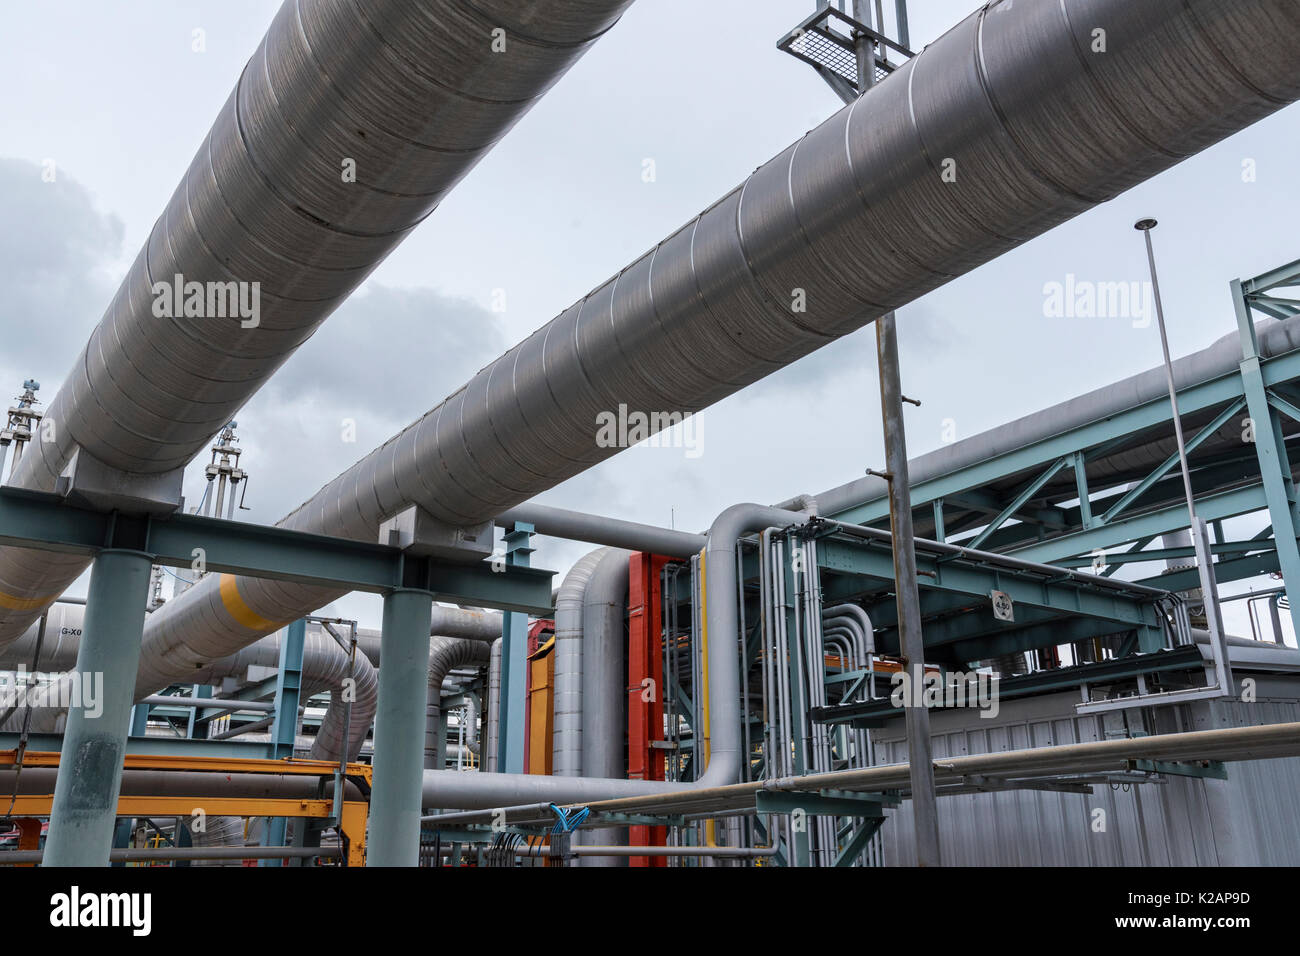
x: 1200, y: 534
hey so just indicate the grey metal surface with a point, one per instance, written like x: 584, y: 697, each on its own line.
x: 568, y: 729
x: 1251, y: 819
x: 415, y: 94
x: 1040, y: 129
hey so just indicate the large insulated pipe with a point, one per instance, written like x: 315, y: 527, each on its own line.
x: 604, y: 676
x: 604, y: 666
x: 348, y: 126
x: 326, y: 666
x: 1004, y: 127
x: 723, y: 739
x: 568, y: 728
x: 445, y: 653
x: 597, y: 529
x: 58, y: 640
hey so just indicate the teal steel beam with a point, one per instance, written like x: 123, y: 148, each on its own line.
x: 1169, y: 554
x: 1275, y: 307
x: 1168, y: 464
x: 284, y: 729
x: 394, y: 838
x: 1092, y: 438
x: 1047, y: 634
x: 1020, y: 500
x: 861, y: 837
x: 1286, y: 275
x: 140, y: 721
x: 1033, y: 628
x: 830, y: 803
x: 1235, y: 569
x: 1283, y: 406
x: 37, y: 520
x: 194, y: 727
x: 962, y: 577
x: 984, y: 502
x: 1220, y: 473
x: 514, y: 659
x: 1206, y: 395
x: 1078, y: 461
x: 84, y: 811
x: 1224, y: 504
x: 1270, y: 448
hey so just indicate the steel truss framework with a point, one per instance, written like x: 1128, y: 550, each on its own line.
x: 1014, y: 503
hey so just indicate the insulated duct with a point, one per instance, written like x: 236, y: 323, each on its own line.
x: 445, y: 653
x: 604, y: 666
x: 324, y: 667
x: 604, y: 682
x: 348, y: 126
x: 1038, y: 127
x: 567, y: 731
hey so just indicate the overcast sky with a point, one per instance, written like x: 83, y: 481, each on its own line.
x: 114, y: 94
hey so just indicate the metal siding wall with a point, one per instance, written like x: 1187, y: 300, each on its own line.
x: 1252, y: 819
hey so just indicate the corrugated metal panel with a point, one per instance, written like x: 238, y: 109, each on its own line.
x: 1251, y: 819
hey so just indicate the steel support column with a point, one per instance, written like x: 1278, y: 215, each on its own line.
x: 514, y: 660
x: 394, y: 838
x: 920, y: 756
x: 84, y: 811
x: 1270, y: 449
x: 284, y: 731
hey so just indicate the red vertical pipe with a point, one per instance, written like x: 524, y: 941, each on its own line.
x: 645, y: 677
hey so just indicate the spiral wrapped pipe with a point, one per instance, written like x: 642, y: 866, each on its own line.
x: 1021, y: 117
x: 347, y: 127
x: 445, y: 654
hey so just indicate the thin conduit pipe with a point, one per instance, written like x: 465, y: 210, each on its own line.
x: 1266, y: 742
x: 493, y: 708
x: 1010, y: 95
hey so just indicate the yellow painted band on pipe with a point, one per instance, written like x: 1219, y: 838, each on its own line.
x: 237, y: 608
x: 12, y: 603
